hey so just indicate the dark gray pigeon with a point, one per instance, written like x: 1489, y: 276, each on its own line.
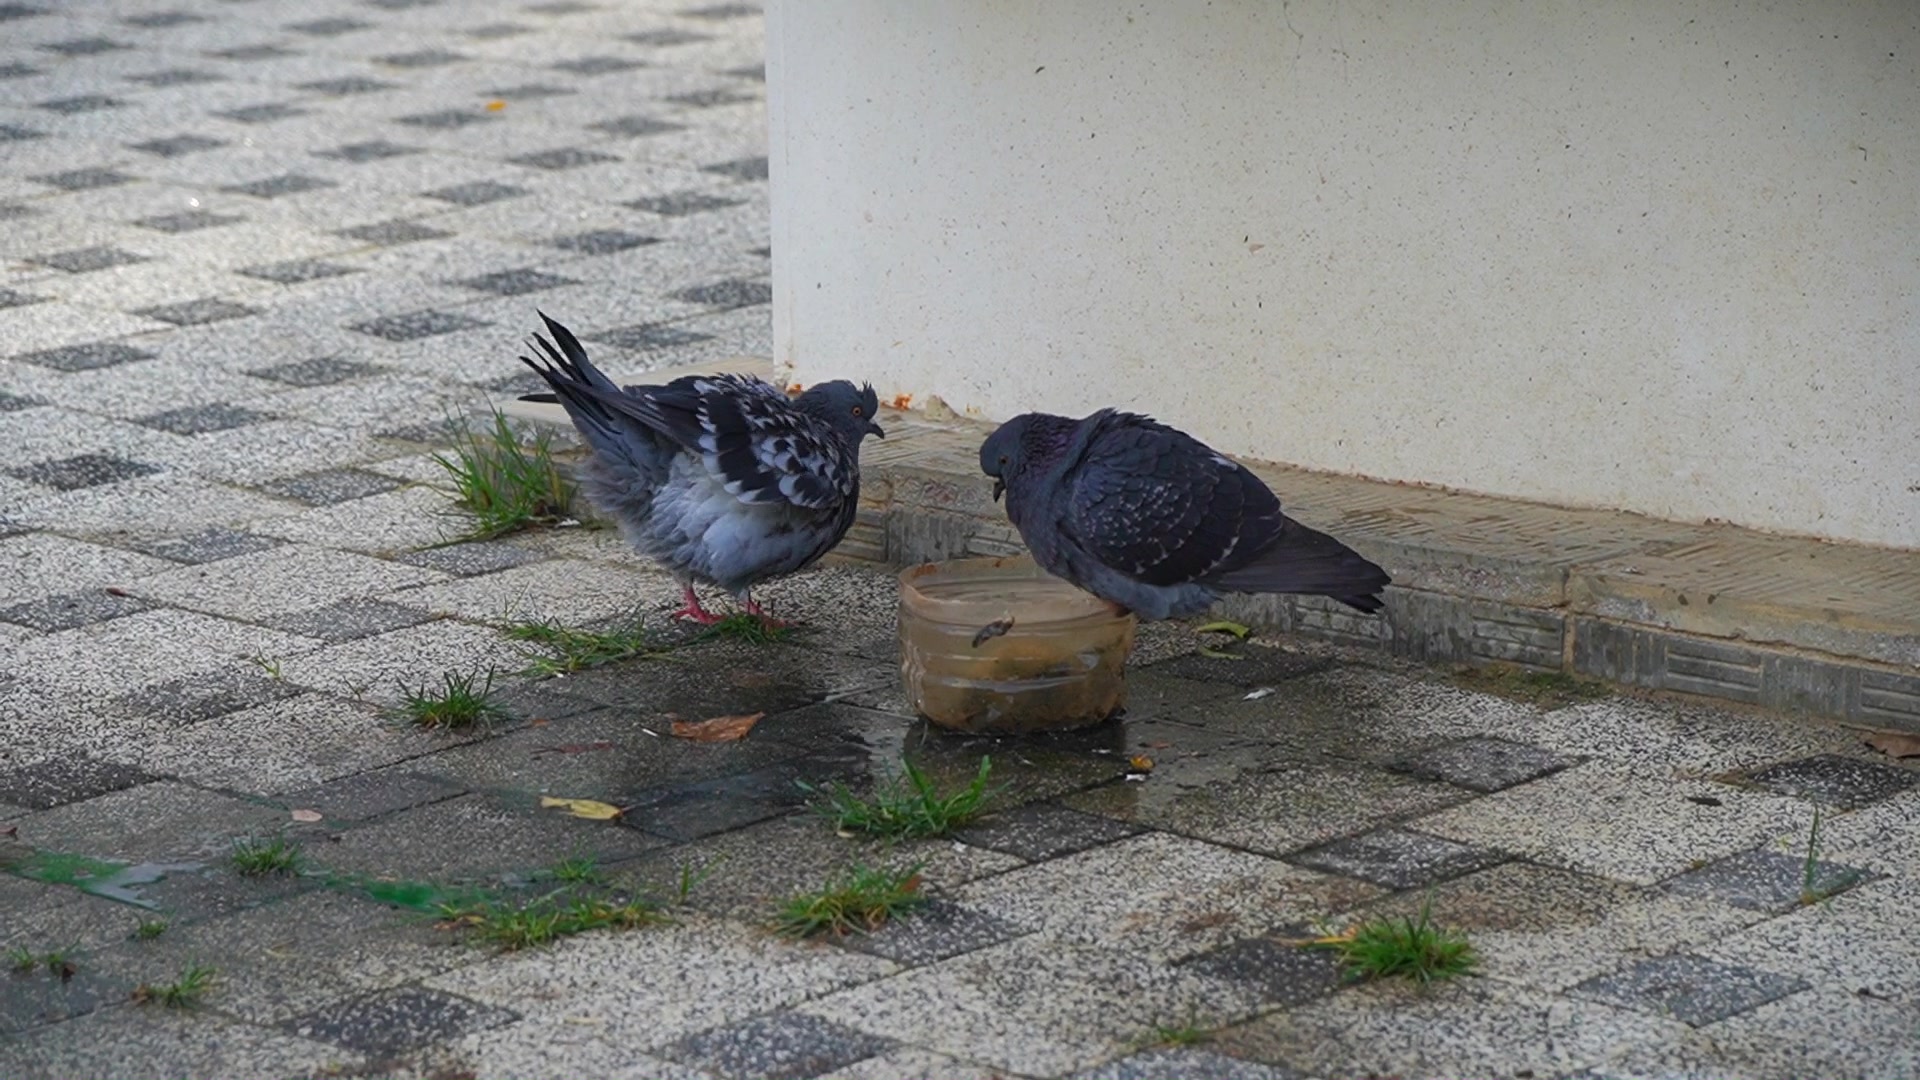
x: 1153, y: 520
x: 721, y: 478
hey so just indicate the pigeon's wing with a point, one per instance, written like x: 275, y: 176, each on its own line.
x: 1157, y: 505
x: 750, y: 437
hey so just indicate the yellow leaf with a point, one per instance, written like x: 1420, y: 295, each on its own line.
x: 496, y: 106
x: 718, y: 729
x: 584, y: 808
x: 1140, y: 763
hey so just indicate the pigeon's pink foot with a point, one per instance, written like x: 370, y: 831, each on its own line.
x: 691, y: 609
x: 753, y: 608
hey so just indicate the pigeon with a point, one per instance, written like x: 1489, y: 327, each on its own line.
x: 723, y: 479
x: 1157, y: 523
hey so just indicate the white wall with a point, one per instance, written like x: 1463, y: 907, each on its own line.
x: 1660, y: 256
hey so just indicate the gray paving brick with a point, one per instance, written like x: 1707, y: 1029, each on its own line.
x: 1398, y: 858
x: 398, y: 1020
x: 84, y: 260
x: 210, y: 545
x: 1691, y: 989
x: 70, y: 610
x: 319, y: 371
x: 188, y: 221
x: 1771, y: 881
x: 71, y: 779
x: 83, y: 471
x: 1845, y: 782
x: 782, y: 1046
x: 1484, y: 764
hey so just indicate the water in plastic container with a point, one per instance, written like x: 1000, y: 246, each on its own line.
x: 998, y: 645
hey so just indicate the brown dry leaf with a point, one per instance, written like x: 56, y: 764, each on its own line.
x: 1894, y: 744
x: 718, y: 729
x: 306, y: 815
x: 584, y: 808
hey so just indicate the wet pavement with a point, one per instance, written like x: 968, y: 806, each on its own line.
x: 252, y: 252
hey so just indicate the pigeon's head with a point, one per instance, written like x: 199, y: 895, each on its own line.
x: 1004, y: 454
x: 849, y: 408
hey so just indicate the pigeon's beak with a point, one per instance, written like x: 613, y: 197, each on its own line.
x: 876, y: 429
x: 999, y: 488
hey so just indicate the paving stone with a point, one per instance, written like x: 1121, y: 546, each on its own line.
x: 350, y: 620
x: 478, y: 193
x: 563, y: 159
x: 201, y: 419
x: 188, y: 221
x: 780, y: 1046
x: 262, y: 51
x: 636, y: 127
x: 425, y: 58
x: 1160, y: 896
x: 1845, y: 782
x: 1609, y: 819
x: 477, y: 837
x: 598, y: 65
x: 416, y: 325
x: 273, y: 187
x: 15, y: 133
x: 86, y: 260
x: 177, y: 77
x: 398, y: 1020
x: 1490, y: 1030
x: 63, y: 780
x: 728, y: 294
x: 368, y: 795
x: 515, y: 282
x: 198, y: 312
x: 332, y: 27
x: 31, y: 564
x: 683, y: 203
x: 711, y: 98
x: 666, y: 36
x: 1075, y: 1005
x: 648, y: 337
x: 602, y: 241
x: 16, y: 402
x: 161, y: 20
x: 753, y: 168
x: 1283, y: 973
x: 496, y: 31
x: 1252, y: 666
x: 210, y: 545
x: 162, y: 821
x: 352, y: 84
x: 1691, y: 989
x: 69, y: 610
x: 319, y: 371
x: 38, y: 998
x: 83, y: 471
x: 85, y: 103
x: 266, y: 113
x: 88, y: 357
x: 178, y: 145
x: 717, y: 12
x: 182, y: 702
x: 935, y: 932
x: 331, y: 486
x: 395, y: 232
x: 447, y: 119
x: 1860, y: 942
x: 167, y: 1042
x: 1397, y: 858
x: 296, y: 271
x: 1769, y: 881
x: 291, y: 584
x: 1483, y: 763
x: 1187, y: 1062
x: 362, y: 152
x: 1040, y: 831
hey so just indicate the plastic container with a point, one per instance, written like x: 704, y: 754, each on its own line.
x: 998, y: 646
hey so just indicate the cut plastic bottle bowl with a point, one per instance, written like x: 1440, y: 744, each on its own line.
x: 999, y: 646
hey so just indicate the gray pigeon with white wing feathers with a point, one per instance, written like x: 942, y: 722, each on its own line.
x: 723, y: 479
x: 1151, y: 519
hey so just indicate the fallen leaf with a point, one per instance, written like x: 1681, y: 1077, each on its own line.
x: 306, y: 815
x: 113, y: 591
x: 1140, y: 763
x: 1258, y: 694
x: 718, y: 729
x: 540, y: 721
x: 902, y: 402
x: 496, y: 106
x: 1894, y: 744
x: 573, y: 748
x: 584, y: 808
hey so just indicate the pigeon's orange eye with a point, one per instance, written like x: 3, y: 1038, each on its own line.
x: 858, y: 411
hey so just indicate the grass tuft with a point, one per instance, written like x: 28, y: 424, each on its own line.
x: 462, y: 700
x: 150, y: 929
x: 547, y: 919
x: 906, y: 807
x: 861, y: 901
x: 254, y: 857
x: 579, y: 870
x: 506, y: 485
x: 563, y: 650
x: 1410, y: 948
x: 183, y: 993
x: 22, y: 960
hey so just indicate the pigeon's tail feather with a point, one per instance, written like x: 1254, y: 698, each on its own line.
x: 630, y: 459
x: 1309, y: 562
x: 544, y: 399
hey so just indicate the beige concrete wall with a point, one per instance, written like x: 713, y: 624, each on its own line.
x: 1659, y: 256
